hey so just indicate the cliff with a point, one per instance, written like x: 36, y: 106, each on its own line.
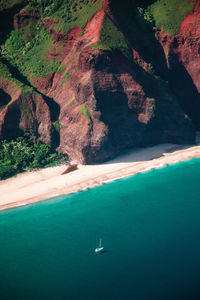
x: 93, y: 78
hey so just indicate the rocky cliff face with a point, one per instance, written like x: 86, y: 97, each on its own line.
x: 114, y: 83
x: 182, y: 54
x: 20, y: 113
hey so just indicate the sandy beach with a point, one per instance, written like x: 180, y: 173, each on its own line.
x: 46, y: 183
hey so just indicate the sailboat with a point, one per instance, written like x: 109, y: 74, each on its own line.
x: 100, y: 248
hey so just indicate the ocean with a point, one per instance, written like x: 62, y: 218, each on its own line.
x: 149, y: 225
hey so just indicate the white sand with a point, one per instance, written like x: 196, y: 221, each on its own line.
x: 46, y: 183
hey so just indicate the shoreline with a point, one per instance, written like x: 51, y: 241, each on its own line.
x: 43, y: 184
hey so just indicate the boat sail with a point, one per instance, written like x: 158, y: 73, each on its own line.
x: 100, y: 248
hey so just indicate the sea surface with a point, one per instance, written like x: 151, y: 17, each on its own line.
x: 150, y: 228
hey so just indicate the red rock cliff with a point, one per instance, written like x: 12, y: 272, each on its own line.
x: 108, y: 103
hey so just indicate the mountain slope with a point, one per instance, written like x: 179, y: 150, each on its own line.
x: 98, y: 77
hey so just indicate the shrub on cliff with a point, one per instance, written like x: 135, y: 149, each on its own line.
x: 23, y: 154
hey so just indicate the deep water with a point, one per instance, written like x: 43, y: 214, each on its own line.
x: 149, y: 225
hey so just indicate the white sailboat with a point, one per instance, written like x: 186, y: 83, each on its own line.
x: 100, y: 248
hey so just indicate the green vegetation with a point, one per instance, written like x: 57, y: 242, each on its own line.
x: 144, y: 20
x: 23, y: 154
x: 28, y: 48
x: 61, y: 68
x: 57, y: 126
x: 67, y: 75
x: 84, y: 111
x: 148, y: 15
x: 43, y: 7
x: 72, y: 13
x: 31, y: 57
x: 5, y: 73
x: 69, y: 13
x: 69, y: 104
x: 112, y: 76
x: 111, y: 39
x: 26, y: 111
x: 169, y: 14
x: 62, y: 44
x: 8, y: 4
x: 166, y: 50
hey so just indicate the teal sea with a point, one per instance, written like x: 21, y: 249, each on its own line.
x: 150, y: 228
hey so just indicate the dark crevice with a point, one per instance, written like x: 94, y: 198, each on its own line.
x: 4, y: 98
x: 54, y: 113
x: 52, y: 78
x: 55, y: 135
x: 53, y: 107
x: 184, y: 88
x: 6, y: 20
x: 11, y: 130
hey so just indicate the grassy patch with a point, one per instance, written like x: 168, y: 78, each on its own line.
x: 26, y: 111
x: 69, y: 104
x: 5, y: 73
x: 111, y: 39
x: 28, y: 48
x: 73, y: 13
x: 68, y: 13
x: 60, y: 69
x: 62, y: 44
x: 84, y: 111
x: 25, y: 90
x: 67, y: 75
x: 31, y: 57
x: 169, y: 14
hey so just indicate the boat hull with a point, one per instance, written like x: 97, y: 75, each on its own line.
x: 99, y: 249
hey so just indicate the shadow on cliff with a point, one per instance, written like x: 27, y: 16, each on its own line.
x: 55, y: 113
x: 4, y: 98
x: 10, y: 127
x: 139, y: 33
x: 184, y: 88
x: 120, y: 108
x: 141, y: 37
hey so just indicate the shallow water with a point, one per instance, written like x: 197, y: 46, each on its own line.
x: 149, y: 225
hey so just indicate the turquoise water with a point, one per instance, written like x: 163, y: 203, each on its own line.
x: 149, y: 225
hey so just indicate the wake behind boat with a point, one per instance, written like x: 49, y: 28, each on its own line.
x: 100, y: 248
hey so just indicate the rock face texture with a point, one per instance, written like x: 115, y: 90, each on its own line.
x: 127, y: 108
x: 183, y: 61
x: 23, y: 112
x: 103, y: 100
